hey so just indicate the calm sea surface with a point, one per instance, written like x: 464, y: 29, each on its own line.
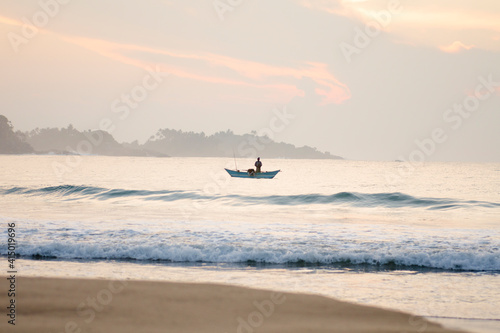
x: 425, y: 240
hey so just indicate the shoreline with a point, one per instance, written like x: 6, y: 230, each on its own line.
x: 100, y: 305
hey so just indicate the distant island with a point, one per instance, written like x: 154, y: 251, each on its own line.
x: 165, y: 143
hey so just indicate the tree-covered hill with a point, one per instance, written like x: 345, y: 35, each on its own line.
x: 166, y: 142
x: 71, y: 141
x: 12, y: 142
x: 225, y: 144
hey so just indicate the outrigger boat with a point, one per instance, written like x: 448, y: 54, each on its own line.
x: 250, y: 173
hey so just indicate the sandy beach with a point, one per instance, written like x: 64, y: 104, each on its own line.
x: 85, y: 305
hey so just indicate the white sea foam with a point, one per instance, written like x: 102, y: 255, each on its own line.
x: 466, y: 260
x: 242, y: 243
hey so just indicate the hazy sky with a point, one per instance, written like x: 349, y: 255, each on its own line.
x: 362, y: 79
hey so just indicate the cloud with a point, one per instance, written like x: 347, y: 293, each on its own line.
x: 243, y: 72
x: 278, y: 81
x: 424, y: 22
x: 9, y: 21
x: 455, y: 47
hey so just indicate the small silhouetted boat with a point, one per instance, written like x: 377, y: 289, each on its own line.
x: 250, y: 173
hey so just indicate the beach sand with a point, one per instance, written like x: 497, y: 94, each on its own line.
x: 85, y: 305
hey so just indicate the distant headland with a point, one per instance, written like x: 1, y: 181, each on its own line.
x: 165, y: 143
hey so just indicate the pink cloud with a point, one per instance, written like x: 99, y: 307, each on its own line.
x: 9, y: 21
x: 455, y: 47
x: 423, y: 22
x: 283, y: 92
x: 249, y: 73
x: 279, y: 81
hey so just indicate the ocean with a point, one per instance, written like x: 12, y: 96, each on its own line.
x: 421, y: 239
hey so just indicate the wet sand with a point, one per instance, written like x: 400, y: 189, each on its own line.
x: 85, y: 305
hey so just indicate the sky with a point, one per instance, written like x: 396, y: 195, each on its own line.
x: 364, y: 79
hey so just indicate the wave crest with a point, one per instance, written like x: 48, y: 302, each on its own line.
x: 449, y: 259
x: 395, y: 199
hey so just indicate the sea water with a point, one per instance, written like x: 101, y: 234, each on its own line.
x: 424, y: 239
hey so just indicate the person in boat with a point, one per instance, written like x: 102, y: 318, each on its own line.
x: 258, y: 165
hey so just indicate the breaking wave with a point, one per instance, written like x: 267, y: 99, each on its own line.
x: 396, y: 258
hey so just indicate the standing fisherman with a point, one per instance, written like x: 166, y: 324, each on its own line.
x: 258, y: 164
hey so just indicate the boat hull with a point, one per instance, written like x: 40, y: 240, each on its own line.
x: 245, y: 174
